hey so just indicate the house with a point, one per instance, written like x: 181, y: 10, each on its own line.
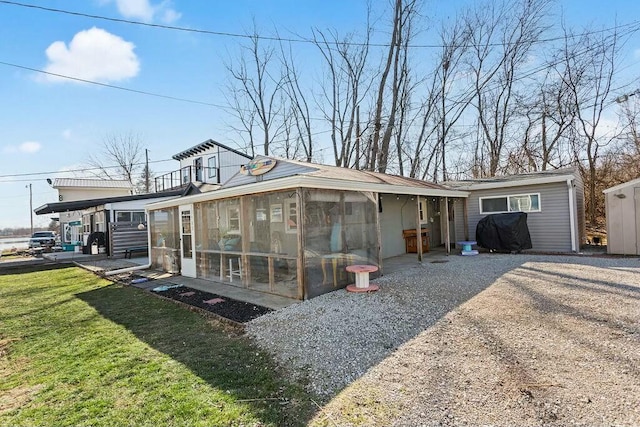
x: 113, y: 223
x: 208, y: 163
x: 553, y: 201
x: 108, y: 213
x: 622, y: 207
x: 290, y: 228
x: 73, y: 189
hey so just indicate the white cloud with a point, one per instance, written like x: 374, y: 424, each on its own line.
x: 93, y: 54
x: 28, y: 147
x: 146, y: 11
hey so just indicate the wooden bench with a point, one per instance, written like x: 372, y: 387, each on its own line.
x: 129, y: 251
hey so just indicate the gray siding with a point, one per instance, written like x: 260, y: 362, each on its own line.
x: 280, y: 170
x: 550, y: 228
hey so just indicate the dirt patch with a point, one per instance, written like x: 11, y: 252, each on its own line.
x: 17, y: 397
x: 228, y: 308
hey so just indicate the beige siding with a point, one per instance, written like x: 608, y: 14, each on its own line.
x: 550, y: 228
x: 397, y: 214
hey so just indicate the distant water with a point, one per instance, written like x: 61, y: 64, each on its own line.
x: 13, y: 242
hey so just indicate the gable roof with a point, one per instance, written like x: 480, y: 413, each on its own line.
x: 203, y: 146
x: 631, y: 183
x: 91, y: 183
x: 531, y: 178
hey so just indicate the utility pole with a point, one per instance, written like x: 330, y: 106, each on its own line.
x: 147, y: 176
x: 30, y: 206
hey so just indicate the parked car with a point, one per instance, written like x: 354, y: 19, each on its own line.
x: 43, y: 239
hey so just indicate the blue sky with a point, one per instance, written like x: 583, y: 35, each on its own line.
x: 51, y: 125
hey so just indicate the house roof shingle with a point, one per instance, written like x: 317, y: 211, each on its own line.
x: 90, y: 183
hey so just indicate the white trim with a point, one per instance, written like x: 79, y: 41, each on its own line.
x: 306, y: 182
x: 512, y: 183
x: 507, y: 196
x: 622, y: 186
x: 572, y: 215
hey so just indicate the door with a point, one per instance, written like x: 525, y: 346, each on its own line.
x: 199, y: 169
x: 187, y: 241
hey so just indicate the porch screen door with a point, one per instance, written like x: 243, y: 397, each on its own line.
x: 187, y: 241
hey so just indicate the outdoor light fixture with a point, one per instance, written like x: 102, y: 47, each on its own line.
x: 621, y: 196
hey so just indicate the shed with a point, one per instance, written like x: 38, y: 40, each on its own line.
x: 622, y: 204
x: 553, y: 201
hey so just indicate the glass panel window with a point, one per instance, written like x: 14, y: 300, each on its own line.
x: 233, y: 217
x: 291, y: 216
x: 123, y: 216
x: 497, y: 204
x: 515, y: 203
x: 212, y: 164
x: 138, y: 217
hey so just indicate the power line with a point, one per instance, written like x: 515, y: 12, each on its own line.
x: 142, y: 92
x: 284, y: 39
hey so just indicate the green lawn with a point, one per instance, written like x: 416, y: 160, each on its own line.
x: 78, y: 350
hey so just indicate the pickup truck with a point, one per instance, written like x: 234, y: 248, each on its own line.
x: 43, y: 239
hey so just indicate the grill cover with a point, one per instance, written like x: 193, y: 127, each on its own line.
x: 504, y: 232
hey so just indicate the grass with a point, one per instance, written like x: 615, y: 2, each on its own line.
x: 78, y: 350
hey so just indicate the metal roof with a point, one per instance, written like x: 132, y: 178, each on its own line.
x: 327, y: 178
x: 91, y: 183
x: 90, y: 203
x: 355, y: 175
x: 204, y: 146
x: 530, y: 178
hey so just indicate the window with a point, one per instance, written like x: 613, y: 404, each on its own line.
x: 233, y: 217
x: 130, y: 216
x: 291, y: 216
x: 422, y: 209
x: 186, y: 171
x: 212, y: 166
x: 516, y: 203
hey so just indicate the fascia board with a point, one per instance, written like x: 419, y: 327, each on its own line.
x: 305, y: 182
x: 622, y: 186
x: 516, y: 183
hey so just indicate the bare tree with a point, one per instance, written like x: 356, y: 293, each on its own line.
x: 343, y: 90
x: 501, y: 35
x: 394, y: 64
x: 589, y: 62
x: 121, y: 156
x: 255, y: 92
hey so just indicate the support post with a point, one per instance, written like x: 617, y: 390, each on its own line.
x: 418, y: 230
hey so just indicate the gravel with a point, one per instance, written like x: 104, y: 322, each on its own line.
x: 551, y: 340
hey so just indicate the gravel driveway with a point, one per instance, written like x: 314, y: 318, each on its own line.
x: 493, y: 339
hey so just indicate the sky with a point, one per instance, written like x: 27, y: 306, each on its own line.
x: 49, y: 125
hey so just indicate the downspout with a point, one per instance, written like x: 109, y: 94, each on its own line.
x: 572, y: 214
x: 137, y: 267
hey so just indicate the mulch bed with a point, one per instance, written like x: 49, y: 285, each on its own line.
x: 238, y: 311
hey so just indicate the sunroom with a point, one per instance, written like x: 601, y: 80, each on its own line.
x: 291, y: 230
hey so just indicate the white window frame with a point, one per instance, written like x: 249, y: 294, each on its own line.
x: 213, y: 170
x: 480, y: 199
x: 288, y: 206
x: 231, y: 209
